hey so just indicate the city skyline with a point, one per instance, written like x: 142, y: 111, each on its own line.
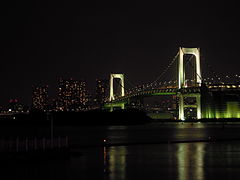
x: 42, y: 41
x: 43, y: 98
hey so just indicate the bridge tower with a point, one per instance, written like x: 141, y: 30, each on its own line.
x: 182, y: 81
x: 111, y: 94
x: 112, y: 77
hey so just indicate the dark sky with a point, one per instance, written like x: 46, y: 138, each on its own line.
x: 44, y: 40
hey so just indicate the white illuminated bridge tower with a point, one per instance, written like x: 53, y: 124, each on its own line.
x: 111, y: 94
x: 182, y: 81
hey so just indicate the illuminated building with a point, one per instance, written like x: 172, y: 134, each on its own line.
x: 102, y: 87
x: 71, y: 95
x: 40, y: 97
x: 14, y: 106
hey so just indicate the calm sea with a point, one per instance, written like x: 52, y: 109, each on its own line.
x: 153, y: 151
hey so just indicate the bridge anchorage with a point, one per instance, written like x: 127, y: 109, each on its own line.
x: 181, y: 90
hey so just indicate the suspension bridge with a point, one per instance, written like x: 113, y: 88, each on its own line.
x: 191, y: 91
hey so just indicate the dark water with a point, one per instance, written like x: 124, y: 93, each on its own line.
x: 133, y: 158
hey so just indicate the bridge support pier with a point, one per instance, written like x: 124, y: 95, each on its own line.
x: 182, y: 105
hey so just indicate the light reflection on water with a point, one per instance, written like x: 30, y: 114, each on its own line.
x: 190, y: 158
x: 121, y: 162
x: 115, y: 162
x: 180, y: 161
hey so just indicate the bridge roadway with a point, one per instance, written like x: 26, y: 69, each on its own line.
x: 170, y: 90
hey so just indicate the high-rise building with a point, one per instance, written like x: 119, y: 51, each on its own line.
x: 71, y: 95
x: 102, y: 87
x: 83, y: 93
x: 40, y: 97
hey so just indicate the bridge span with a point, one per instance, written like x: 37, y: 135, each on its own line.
x: 203, y: 95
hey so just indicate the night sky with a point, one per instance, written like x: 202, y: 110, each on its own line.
x: 44, y: 40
